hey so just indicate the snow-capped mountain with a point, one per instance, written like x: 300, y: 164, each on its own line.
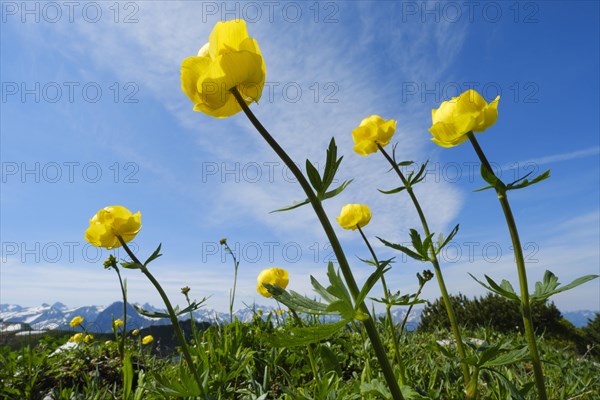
x: 100, y: 318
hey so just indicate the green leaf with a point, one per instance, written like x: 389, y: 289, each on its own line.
x: 331, y: 165
x: 294, y: 205
x: 511, y: 357
x: 336, y: 191
x: 403, y: 249
x: 298, y: 302
x: 302, y: 336
x: 550, y: 286
x: 131, y: 265
x: 337, y: 288
x: 441, y: 243
x: 498, y: 289
x: 371, y: 281
x: 420, y: 175
x: 343, y: 308
x: 320, y: 289
x: 127, y: 370
x: 154, y: 255
x: 329, y: 359
x: 313, y: 176
x: 525, y: 183
x: 392, y: 191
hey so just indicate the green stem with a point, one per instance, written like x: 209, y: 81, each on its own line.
x: 236, y: 265
x: 388, y: 306
x: 520, y: 261
x: 411, y: 307
x: 311, y: 355
x: 438, y: 271
x: 172, y: 315
x: 335, y: 244
x: 124, y: 332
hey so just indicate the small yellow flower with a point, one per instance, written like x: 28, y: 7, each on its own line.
x: 354, y: 216
x: 135, y: 332
x: 147, y: 339
x: 117, y: 323
x: 88, y: 338
x: 371, y: 132
x: 185, y: 290
x: 230, y: 59
x: 75, y: 322
x: 465, y: 113
x: 110, y: 222
x: 280, y: 312
x: 76, y: 338
x: 273, y: 276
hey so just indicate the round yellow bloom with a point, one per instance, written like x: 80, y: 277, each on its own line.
x: 76, y: 321
x: 273, y: 276
x: 147, y: 339
x: 465, y: 113
x: 354, y: 216
x: 78, y: 337
x: 135, y: 332
x: 117, y: 323
x: 88, y: 338
x: 230, y: 59
x: 371, y: 132
x: 110, y: 222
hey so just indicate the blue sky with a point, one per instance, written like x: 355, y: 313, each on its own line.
x: 92, y: 114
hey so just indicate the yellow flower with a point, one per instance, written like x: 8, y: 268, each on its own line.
x: 354, y: 216
x: 135, y: 332
x: 117, y: 323
x: 273, y: 276
x: 110, y: 222
x: 371, y: 132
x: 230, y: 59
x: 465, y: 113
x: 75, y: 322
x: 78, y: 337
x: 88, y: 338
x: 147, y: 339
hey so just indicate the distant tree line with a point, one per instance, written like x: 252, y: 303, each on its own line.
x: 502, y: 315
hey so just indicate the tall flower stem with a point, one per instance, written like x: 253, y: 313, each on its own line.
x: 388, y: 306
x: 172, y: 315
x: 124, y: 293
x: 438, y: 271
x: 236, y: 265
x: 520, y: 261
x: 369, y: 324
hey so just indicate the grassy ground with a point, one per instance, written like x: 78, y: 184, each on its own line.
x: 238, y: 361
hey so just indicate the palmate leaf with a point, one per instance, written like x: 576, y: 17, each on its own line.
x: 301, y: 336
x: 505, y: 289
x: 298, y: 302
x: 328, y: 195
x: 550, y: 286
x: 371, y: 281
x: 404, y: 249
x: 153, y: 314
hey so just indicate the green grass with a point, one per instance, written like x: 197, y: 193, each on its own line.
x: 237, y: 361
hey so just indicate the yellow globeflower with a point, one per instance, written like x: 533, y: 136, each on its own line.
x: 76, y: 321
x: 78, y: 337
x: 88, y: 338
x: 147, y: 339
x: 230, y: 59
x: 135, y: 332
x: 110, y: 222
x: 372, y: 131
x: 273, y: 276
x: 354, y: 216
x: 117, y: 323
x: 465, y: 113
